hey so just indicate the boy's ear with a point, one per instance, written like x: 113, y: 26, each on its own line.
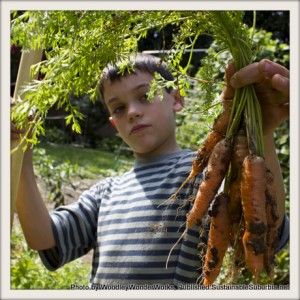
x: 179, y: 100
x: 112, y: 122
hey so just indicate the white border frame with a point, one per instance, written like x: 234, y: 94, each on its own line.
x: 6, y: 6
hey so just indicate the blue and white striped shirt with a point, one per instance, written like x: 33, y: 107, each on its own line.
x: 131, y: 234
x: 121, y: 219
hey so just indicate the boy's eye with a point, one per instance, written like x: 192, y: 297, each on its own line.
x: 118, y: 109
x: 144, y: 97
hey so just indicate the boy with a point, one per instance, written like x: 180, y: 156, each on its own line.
x: 121, y: 218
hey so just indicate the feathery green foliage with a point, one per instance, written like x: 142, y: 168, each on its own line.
x: 79, y: 44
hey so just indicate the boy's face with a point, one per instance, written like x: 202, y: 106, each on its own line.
x: 147, y: 127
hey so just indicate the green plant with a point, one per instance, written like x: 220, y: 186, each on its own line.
x: 55, y: 175
x: 55, y: 135
x: 28, y: 272
x: 79, y: 44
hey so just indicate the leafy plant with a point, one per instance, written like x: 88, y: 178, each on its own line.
x: 28, y: 272
x: 55, y: 175
x: 79, y: 44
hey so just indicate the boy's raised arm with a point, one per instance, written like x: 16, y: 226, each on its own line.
x: 32, y: 211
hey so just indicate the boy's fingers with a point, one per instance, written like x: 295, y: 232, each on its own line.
x: 246, y: 76
x: 228, y: 91
x: 282, y: 84
x: 229, y: 71
x: 15, y: 136
x: 15, y: 133
x: 269, y: 69
x: 257, y: 72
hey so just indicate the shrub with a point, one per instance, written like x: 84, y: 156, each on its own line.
x: 28, y: 272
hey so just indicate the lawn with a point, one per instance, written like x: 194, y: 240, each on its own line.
x: 91, y: 162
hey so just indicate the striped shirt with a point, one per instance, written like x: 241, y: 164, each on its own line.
x: 125, y: 220
x: 131, y: 227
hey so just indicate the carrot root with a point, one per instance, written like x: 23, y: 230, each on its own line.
x: 272, y: 218
x: 216, y: 134
x: 254, y: 248
x: 219, y: 238
x: 181, y: 237
x: 253, y: 187
x: 214, y: 175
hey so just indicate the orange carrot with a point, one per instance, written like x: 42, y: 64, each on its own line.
x: 254, y: 246
x: 216, y: 169
x: 238, y: 247
x: 216, y: 134
x: 253, y: 188
x: 272, y: 218
x: 218, y: 240
x: 240, y: 151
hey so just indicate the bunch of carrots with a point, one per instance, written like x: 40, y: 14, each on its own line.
x: 244, y: 215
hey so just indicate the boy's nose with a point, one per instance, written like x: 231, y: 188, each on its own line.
x: 134, y: 112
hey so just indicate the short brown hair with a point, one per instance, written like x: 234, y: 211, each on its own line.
x: 141, y: 62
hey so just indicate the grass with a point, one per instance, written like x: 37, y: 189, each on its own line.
x: 91, y: 162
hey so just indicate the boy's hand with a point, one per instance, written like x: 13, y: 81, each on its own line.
x: 15, y: 132
x: 271, y: 82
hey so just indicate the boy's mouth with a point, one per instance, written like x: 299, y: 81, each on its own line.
x: 139, y: 127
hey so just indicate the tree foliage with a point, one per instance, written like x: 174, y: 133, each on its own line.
x: 79, y: 44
